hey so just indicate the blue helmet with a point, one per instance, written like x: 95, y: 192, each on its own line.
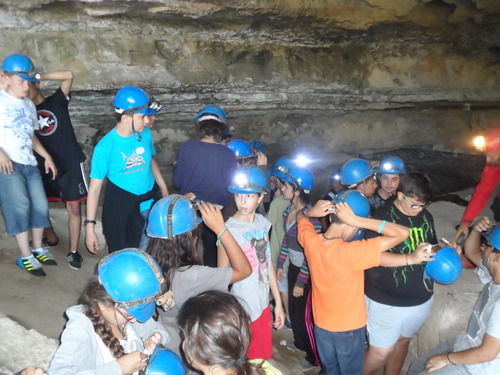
x: 300, y: 177
x: 164, y: 362
x: 211, y: 112
x: 335, y: 175
x: 392, y: 165
x: 133, y: 279
x: 240, y: 149
x: 355, y: 171
x: 133, y: 99
x: 493, y: 237
x: 247, y: 180
x: 257, y: 146
x: 281, y: 166
x: 21, y: 66
x: 171, y: 216
x: 154, y: 106
x: 358, y: 203
x: 445, y: 268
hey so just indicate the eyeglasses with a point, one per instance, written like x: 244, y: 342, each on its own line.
x: 416, y: 206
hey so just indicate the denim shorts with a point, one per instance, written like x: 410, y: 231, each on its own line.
x: 23, y: 200
x: 386, y: 323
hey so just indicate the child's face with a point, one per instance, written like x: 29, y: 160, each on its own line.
x: 389, y: 183
x: 247, y: 203
x: 140, y: 122
x: 410, y: 205
x: 287, y: 191
x: 16, y: 86
x: 116, y: 317
x: 368, y: 187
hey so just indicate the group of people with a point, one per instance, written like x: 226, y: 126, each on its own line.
x: 351, y: 264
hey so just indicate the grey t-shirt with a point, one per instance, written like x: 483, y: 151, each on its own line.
x: 253, y: 239
x: 189, y: 282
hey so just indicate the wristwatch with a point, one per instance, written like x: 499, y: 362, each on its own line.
x: 85, y: 222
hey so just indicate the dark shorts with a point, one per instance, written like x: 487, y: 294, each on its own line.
x: 69, y: 186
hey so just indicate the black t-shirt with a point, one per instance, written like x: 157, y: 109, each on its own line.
x: 56, y: 131
x: 402, y: 286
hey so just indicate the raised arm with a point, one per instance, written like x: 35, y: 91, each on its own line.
x: 65, y: 76
x: 472, y: 246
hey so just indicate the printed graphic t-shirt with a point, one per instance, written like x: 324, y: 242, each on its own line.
x: 253, y: 239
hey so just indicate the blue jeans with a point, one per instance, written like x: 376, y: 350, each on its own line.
x: 23, y: 200
x: 341, y: 352
x: 143, y: 245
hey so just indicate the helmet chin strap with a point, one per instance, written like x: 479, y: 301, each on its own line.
x: 137, y: 135
x: 123, y: 330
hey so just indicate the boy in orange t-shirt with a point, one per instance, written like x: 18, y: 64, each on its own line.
x: 337, y: 276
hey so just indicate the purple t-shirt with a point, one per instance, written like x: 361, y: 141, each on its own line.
x: 205, y: 169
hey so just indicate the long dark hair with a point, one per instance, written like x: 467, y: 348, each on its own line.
x: 216, y: 331
x: 175, y: 252
x: 90, y: 298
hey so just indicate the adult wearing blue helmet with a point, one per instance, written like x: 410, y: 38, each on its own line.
x: 358, y: 174
x: 111, y: 330
x: 173, y: 228
x: 22, y: 197
x: 336, y: 186
x: 337, y: 274
x: 124, y: 157
x: 240, y: 148
x: 389, y: 175
x: 204, y: 167
x: 477, y: 351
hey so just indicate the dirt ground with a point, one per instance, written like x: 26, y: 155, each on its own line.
x: 38, y: 304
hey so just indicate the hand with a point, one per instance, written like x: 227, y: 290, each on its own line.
x: 320, y: 209
x: 463, y: 228
x: 151, y: 343
x: 32, y: 371
x: 482, y: 225
x: 298, y: 291
x: 346, y: 214
x: 91, y: 240
x: 132, y: 362
x: 261, y: 158
x: 436, y: 362
x: 421, y: 255
x: 50, y: 167
x: 279, y: 316
x: 5, y: 163
x: 212, y: 216
x: 279, y: 274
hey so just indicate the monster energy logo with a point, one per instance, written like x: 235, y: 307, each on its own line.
x: 416, y: 236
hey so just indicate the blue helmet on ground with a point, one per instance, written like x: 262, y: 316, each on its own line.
x: 171, y: 216
x: 355, y: 171
x: 445, y: 268
x: 300, y: 177
x: 21, y: 66
x: 247, y: 180
x: 392, y: 165
x: 240, y: 148
x: 211, y: 112
x: 358, y: 203
x: 133, y: 100
x: 257, y: 146
x: 164, y: 362
x: 281, y: 166
x: 133, y: 279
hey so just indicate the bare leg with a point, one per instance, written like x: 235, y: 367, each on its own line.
x: 74, y: 224
x: 375, y: 359
x: 36, y: 237
x: 284, y: 299
x: 23, y: 243
x: 396, y: 360
x: 50, y: 234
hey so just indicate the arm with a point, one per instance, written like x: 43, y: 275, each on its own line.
x: 65, y: 76
x: 159, y: 178
x: 233, y: 255
x: 487, y: 351
x: 397, y: 260
x: 40, y: 150
x: 91, y: 240
x: 472, y: 246
x: 279, y: 313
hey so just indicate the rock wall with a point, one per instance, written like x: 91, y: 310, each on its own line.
x: 328, y: 76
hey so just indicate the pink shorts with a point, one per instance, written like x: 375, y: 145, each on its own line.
x: 261, y: 340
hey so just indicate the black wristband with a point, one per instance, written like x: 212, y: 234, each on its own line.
x: 89, y: 222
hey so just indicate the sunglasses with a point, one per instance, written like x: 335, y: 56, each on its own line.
x: 416, y: 206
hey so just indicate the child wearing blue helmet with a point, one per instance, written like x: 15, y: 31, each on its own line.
x: 337, y: 270
x: 111, y: 330
x: 476, y: 351
x: 389, y: 176
x: 251, y: 231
